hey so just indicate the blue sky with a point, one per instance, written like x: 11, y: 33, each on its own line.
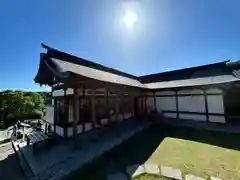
x: 168, y: 34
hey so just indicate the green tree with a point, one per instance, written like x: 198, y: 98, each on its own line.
x: 17, y: 105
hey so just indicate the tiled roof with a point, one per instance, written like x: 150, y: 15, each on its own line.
x: 92, y: 73
x: 54, y: 64
x: 192, y: 82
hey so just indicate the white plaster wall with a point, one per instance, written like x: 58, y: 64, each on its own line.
x: 215, y: 104
x: 59, y: 131
x: 218, y: 119
x: 49, y: 116
x: 196, y: 117
x: 70, y: 131
x: 150, y: 103
x: 170, y: 115
x: 165, y: 93
x: 166, y: 103
x: 190, y: 91
x: 88, y: 126
x: 79, y: 129
x: 191, y: 103
x: 59, y: 92
x: 69, y: 91
x: 214, y: 90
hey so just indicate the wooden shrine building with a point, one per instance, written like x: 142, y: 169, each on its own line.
x: 87, y: 95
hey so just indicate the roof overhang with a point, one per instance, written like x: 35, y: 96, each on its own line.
x: 193, y: 82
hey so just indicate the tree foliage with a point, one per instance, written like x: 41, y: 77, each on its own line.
x: 20, y: 105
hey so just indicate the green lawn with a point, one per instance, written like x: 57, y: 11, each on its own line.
x: 198, y: 158
x: 200, y: 152
x: 150, y: 177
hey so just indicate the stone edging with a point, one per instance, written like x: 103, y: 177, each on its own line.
x: 165, y: 171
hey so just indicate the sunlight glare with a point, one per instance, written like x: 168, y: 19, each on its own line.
x: 129, y: 19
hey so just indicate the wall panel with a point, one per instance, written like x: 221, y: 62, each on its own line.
x: 166, y: 103
x: 218, y: 119
x: 59, y: 131
x: 191, y: 103
x: 215, y: 104
x: 196, y: 117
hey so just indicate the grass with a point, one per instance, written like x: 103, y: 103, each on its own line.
x: 150, y: 177
x: 198, y: 158
x: 202, y: 153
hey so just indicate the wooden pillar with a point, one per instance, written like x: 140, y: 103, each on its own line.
x: 75, y: 113
x: 93, y: 107
x: 65, y: 113
x: 106, y: 103
x: 132, y: 101
x: 54, y: 115
x: 145, y: 104
x: 122, y: 101
x: 176, y: 101
x: 155, y: 102
x: 224, y: 92
x: 117, y: 107
x: 206, y: 104
x: 87, y: 103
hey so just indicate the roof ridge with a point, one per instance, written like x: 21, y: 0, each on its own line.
x: 77, y: 60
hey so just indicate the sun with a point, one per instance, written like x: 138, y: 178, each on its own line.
x: 129, y: 19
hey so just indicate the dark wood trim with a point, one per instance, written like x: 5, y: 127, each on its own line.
x: 206, y: 104
x: 54, y: 129
x: 155, y: 102
x: 224, y: 104
x: 83, y: 96
x: 145, y: 102
x: 197, y: 113
x: 179, y: 95
x: 66, y: 111
x: 55, y: 118
x: 176, y: 99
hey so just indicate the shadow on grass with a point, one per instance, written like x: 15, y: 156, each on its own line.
x: 139, y: 148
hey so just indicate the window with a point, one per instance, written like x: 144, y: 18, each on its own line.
x: 61, y: 111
